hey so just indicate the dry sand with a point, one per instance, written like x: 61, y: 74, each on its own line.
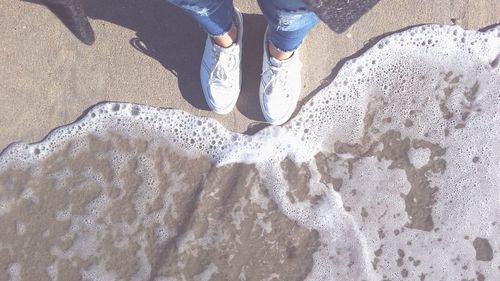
x: 49, y: 78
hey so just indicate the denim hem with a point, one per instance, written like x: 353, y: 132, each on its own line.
x: 286, y: 50
x: 222, y: 33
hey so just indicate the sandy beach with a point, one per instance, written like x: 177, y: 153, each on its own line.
x: 387, y: 171
x: 49, y: 78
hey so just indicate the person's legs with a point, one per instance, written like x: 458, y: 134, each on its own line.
x: 214, y: 16
x: 289, y: 22
x: 220, y: 71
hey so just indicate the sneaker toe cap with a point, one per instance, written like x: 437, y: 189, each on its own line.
x: 220, y: 99
x: 276, y: 111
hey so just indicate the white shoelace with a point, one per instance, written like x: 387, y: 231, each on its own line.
x: 279, y: 78
x: 224, y: 74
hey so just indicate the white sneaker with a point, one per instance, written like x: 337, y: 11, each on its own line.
x: 280, y: 86
x: 220, y: 71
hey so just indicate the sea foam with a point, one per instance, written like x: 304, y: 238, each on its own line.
x: 389, y: 172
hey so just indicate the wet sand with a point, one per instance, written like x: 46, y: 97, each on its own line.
x: 388, y: 173
x: 183, y: 213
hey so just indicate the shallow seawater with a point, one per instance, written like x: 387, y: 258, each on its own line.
x: 389, y: 173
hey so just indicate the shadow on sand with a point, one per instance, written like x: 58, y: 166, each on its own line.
x: 167, y: 35
x: 164, y: 33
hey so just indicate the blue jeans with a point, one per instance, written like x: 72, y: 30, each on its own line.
x: 289, y: 20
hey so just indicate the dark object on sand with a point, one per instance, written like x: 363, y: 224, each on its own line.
x: 339, y: 15
x: 72, y: 14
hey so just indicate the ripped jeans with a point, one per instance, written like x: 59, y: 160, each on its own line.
x: 289, y: 20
